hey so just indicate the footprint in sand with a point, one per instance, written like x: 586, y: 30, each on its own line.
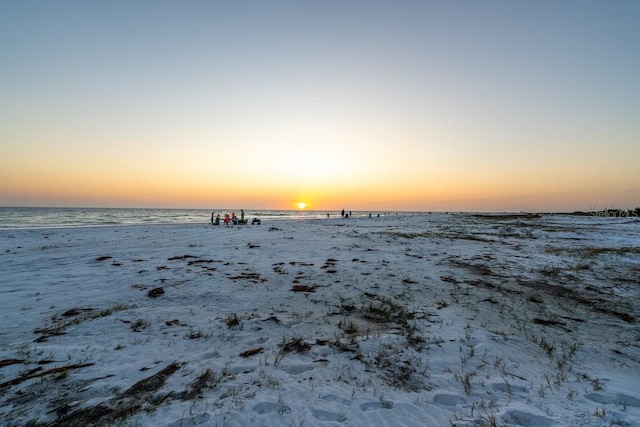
x: 617, y: 399
x: 450, y: 400
x: 373, y: 406
x: 334, y: 398
x: 527, y: 419
x: 321, y: 415
x: 193, y: 421
x: 267, y: 407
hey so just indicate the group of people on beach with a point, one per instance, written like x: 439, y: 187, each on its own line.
x: 235, y: 220
x: 347, y: 215
x: 228, y: 219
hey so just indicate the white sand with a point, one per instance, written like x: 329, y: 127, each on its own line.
x: 419, y: 320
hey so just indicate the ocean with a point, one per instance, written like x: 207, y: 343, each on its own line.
x: 29, y: 218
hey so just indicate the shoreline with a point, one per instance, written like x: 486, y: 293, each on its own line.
x: 357, y: 216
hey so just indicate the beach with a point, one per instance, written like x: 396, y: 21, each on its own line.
x: 408, y: 320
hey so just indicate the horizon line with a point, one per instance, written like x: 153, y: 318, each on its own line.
x: 592, y: 209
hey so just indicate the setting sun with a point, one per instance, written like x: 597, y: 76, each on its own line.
x: 301, y: 205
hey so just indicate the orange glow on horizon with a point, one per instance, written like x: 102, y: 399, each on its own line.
x: 454, y: 190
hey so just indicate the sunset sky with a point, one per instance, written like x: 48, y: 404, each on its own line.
x: 364, y: 105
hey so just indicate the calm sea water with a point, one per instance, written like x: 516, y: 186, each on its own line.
x: 13, y: 218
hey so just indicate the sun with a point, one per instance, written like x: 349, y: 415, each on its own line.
x: 301, y: 205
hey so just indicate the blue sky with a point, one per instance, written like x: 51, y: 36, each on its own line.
x: 427, y: 105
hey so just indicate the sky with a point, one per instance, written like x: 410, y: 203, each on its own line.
x: 364, y: 105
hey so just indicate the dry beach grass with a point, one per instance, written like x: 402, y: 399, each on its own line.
x: 417, y: 320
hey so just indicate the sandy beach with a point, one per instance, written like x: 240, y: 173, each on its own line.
x: 417, y: 320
